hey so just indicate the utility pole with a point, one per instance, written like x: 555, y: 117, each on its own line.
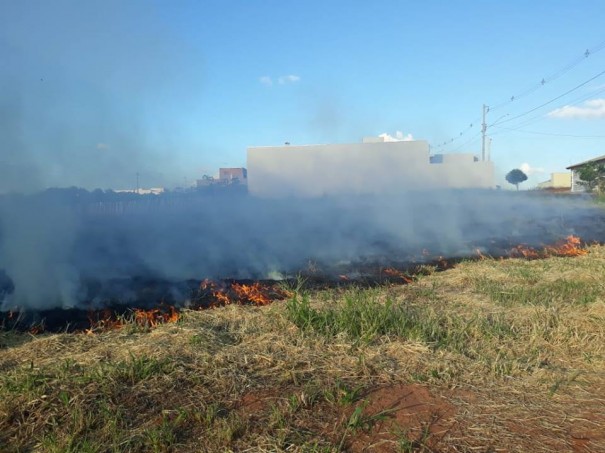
x: 483, y: 130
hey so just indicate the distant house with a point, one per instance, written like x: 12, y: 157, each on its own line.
x: 373, y: 167
x: 226, y: 177
x: 233, y: 175
x: 576, y: 182
x: 141, y: 191
x: 557, y: 181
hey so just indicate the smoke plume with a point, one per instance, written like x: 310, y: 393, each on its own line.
x: 54, y: 244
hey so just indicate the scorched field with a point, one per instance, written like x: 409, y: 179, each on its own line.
x: 483, y: 354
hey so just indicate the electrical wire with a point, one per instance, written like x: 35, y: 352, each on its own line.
x: 554, y: 76
x: 550, y: 78
x: 460, y: 135
x: 553, y: 99
x: 542, y: 116
x: 472, y: 139
x: 548, y: 133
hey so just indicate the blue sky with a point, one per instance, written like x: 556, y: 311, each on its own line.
x: 94, y: 92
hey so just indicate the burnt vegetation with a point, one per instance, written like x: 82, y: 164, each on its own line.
x: 503, y: 346
x: 392, y: 348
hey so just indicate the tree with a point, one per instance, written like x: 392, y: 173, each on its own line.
x: 516, y: 177
x: 592, y: 176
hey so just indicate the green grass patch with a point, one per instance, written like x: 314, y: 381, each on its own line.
x: 363, y: 317
x: 549, y: 293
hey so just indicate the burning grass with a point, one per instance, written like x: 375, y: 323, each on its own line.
x: 209, y: 294
x: 219, y: 293
x: 492, y: 355
x: 570, y: 246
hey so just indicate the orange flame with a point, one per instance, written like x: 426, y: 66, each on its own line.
x: 524, y: 251
x: 392, y: 272
x: 251, y: 293
x: 104, y: 320
x: 155, y: 316
x: 221, y: 297
x: 570, y: 246
x: 35, y: 330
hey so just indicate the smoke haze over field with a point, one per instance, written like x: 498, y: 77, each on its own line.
x: 96, y: 93
x: 89, y: 102
x: 51, y: 245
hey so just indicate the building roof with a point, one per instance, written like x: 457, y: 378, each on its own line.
x: 591, y: 161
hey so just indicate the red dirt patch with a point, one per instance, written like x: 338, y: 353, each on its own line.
x: 257, y: 402
x: 401, y: 415
x: 588, y: 433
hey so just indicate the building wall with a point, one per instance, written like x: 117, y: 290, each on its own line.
x: 150, y: 191
x: 575, y: 182
x: 232, y: 174
x: 561, y: 180
x: 557, y: 181
x: 359, y: 168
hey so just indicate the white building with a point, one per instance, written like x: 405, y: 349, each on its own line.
x: 141, y: 191
x: 557, y: 181
x: 371, y: 167
x: 576, y: 182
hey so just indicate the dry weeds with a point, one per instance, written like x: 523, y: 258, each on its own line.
x: 502, y: 355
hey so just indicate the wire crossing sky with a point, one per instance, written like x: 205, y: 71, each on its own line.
x: 94, y: 93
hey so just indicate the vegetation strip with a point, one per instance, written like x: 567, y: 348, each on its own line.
x: 492, y: 354
x: 213, y: 294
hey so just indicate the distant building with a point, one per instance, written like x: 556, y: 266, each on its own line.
x: 150, y: 191
x: 226, y: 176
x: 205, y: 181
x: 557, y: 181
x: 374, y: 166
x: 576, y: 181
x: 233, y: 175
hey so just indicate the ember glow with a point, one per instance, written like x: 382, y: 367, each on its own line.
x: 217, y: 293
x: 391, y: 272
x: 107, y: 319
x: 251, y: 293
x: 570, y: 246
x: 211, y: 294
x: 65, y: 259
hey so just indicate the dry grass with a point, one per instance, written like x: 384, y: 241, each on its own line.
x: 510, y: 353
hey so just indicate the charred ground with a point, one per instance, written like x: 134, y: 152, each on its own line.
x: 490, y: 355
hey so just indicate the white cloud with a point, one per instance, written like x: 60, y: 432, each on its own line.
x: 102, y: 146
x: 529, y: 170
x: 266, y: 80
x: 594, y: 108
x: 282, y: 80
x: 399, y: 137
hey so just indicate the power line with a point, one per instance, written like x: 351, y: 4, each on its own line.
x: 542, y: 116
x: 459, y: 136
x: 474, y: 138
x: 553, y: 99
x: 555, y: 75
x: 548, y: 133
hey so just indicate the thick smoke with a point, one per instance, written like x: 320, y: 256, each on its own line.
x: 95, y: 92
x: 90, y: 95
x: 52, y: 245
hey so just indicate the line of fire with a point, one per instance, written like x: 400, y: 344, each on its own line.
x: 299, y: 217
x: 154, y: 304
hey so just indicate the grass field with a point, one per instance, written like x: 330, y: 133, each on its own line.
x: 493, y: 355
